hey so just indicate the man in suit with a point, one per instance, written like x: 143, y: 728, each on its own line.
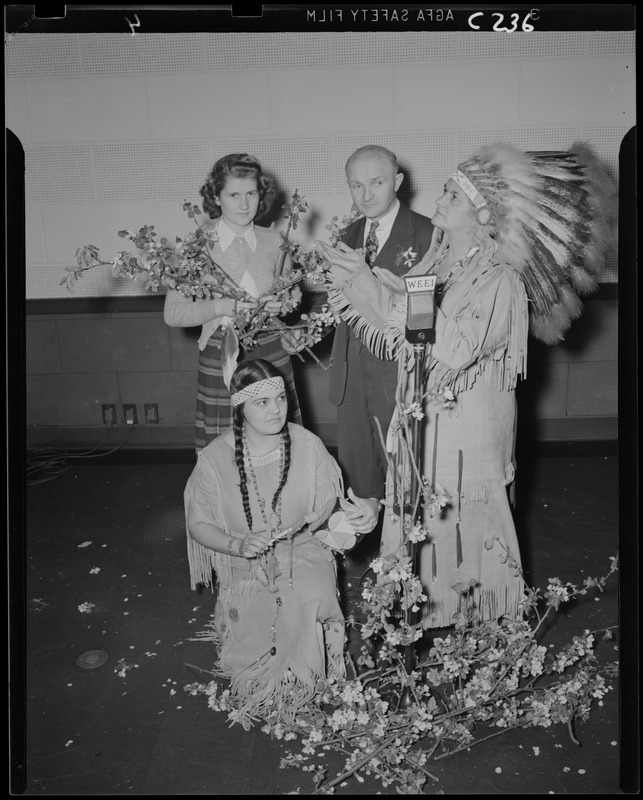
x: 363, y: 386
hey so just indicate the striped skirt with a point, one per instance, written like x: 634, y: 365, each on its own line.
x: 213, y: 408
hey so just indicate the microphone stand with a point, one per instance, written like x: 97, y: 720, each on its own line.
x: 420, y: 331
x: 419, y: 353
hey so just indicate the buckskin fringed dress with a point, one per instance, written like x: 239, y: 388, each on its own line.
x: 251, y: 261
x: 277, y: 623
x: 480, y: 352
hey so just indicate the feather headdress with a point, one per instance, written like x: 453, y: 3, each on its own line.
x: 550, y: 214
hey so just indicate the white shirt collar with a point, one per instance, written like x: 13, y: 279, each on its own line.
x: 227, y: 236
x: 386, y: 224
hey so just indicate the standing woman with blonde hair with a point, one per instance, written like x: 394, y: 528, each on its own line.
x: 236, y: 192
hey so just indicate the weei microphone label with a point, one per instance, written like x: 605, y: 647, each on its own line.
x: 420, y: 308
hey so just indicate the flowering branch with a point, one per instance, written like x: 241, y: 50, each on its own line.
x: 482, y: 680
x: 187, y: 266
x: 297, y: 206
x: 310, y: 261
x: 499, y: 676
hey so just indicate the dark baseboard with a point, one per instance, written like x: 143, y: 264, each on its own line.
x: 186, y: 455
x: 581, y: 435
x: 144, y: 444
x: 169, y: 455
x: 573, y: 449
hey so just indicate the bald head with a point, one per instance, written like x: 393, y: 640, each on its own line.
x: 373, y: 151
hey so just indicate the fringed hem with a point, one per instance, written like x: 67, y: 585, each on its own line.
x: 210, y: 634
x: 254, y: 696
x: 496, y: 372
x: 487, y: 604
x: 259, y: 692
x: 277, y: 700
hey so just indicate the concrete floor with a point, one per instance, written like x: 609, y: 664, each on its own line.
x: 113, y: 535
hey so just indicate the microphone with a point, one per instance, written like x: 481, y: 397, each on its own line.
x: 420, y: 309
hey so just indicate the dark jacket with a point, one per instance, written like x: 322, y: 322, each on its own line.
x: 410, y: 230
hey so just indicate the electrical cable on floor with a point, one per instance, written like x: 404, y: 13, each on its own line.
x: 54, y: 463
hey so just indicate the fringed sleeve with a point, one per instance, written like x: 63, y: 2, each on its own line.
x: 482, y: 327
x: 375, y: 313
x: 326, y: 477
x: 203, y: 495
x: 365, y: 304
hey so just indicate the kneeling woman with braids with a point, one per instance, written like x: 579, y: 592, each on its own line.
x: 254, y: 505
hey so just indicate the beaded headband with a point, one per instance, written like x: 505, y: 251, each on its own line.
x: 256, y: 389
x: 468, y: 188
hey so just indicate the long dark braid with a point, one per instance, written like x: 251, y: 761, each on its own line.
x: 237, y: 427
x: 284, y: 477
x: 247, y: 373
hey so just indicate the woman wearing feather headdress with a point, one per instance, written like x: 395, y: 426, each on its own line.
x: 515, y: 233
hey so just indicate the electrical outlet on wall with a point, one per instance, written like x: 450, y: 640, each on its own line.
x: 109, y: 413
x: 129, y: 414
x: 151, y: 413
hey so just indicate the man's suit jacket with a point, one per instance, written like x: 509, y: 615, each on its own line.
x: 410, y: 230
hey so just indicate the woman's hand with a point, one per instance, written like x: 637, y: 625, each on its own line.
x: 361, y: 512
x: 271, y: 304
x: 228, y: 307
x: 395, y: 283
x: 283, y: 304
x: 295, y: 340
x: 246, y: 305
x: 345, y: 263
x: 253, y: 544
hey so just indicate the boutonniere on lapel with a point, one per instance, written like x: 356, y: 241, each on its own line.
x: 405, y: 258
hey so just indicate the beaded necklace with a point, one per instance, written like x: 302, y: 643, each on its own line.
x: 255, y: 485
x: 269, y: 565
x: 459, y: 264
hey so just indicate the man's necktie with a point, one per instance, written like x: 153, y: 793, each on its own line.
x: 371, y: 246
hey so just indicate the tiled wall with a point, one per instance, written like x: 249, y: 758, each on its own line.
x: 118, y: 130
x: 571, y: 389
x: 77, y: 363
